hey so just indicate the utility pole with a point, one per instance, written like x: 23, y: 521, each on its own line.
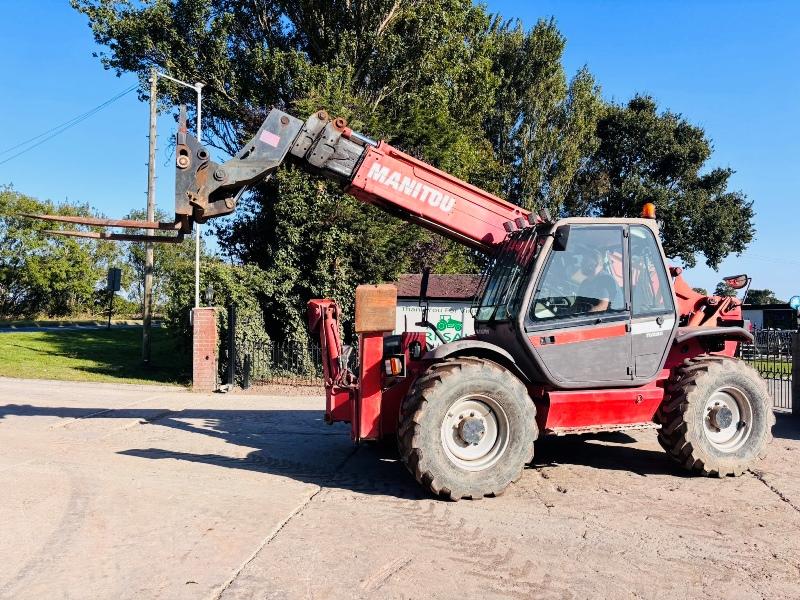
x: 147, y: 308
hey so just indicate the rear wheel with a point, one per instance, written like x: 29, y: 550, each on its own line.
x: 467, y: 428
x: 717, y: 419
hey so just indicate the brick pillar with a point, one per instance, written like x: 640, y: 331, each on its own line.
x: 204, y: 349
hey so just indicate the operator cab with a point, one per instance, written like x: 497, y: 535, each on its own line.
x: 581, y: 303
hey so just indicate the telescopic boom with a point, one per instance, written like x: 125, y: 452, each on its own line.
x: 374, y: 172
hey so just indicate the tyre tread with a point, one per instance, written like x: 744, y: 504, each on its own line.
x: 413, y: 411
x: 677, y: 436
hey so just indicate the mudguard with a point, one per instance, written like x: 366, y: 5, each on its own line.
x: 480, y: 349
x: 738, y: 334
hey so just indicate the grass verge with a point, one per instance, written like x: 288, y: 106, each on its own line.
x: 95, y: 355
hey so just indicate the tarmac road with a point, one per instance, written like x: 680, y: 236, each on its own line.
x: 75, y: 327
x: 150, y: 492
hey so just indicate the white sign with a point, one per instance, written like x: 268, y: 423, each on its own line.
x: 453, y: 320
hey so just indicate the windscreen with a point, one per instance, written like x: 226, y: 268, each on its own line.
x: 586, y: 278
x: 504, y: 279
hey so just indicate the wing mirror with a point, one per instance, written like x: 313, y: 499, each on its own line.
x: 737, y: 282
x: 560, y: 238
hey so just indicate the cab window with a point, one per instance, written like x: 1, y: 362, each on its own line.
x: 651, y: 294
x: 586, y: 279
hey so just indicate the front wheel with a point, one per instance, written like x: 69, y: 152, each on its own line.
x: 717, y: 419
x: 467, y: 428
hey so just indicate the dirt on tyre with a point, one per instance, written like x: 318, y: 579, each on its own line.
x: 717, y: 417
x: 467, y: 428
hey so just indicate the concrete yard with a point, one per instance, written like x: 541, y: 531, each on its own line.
x: 155, y: 492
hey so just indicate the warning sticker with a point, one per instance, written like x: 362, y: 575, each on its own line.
x: 269, y: 138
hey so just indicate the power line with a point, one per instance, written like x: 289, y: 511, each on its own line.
x: 72, y: 121
x: 59, y: 129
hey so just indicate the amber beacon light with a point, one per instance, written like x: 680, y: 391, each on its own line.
x: 649, y: 211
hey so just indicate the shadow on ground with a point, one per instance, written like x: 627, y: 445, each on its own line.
x: 299, y: 445
x: 606, y: 451
x: 787, y: 426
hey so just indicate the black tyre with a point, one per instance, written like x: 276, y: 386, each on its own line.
x: 717, y: 417
x: 467, y: 428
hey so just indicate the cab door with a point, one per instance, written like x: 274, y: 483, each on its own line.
x: 653, y: 313
x: 579, y: 319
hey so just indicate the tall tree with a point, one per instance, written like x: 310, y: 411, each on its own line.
x: 440, y: 79
x: 647, y: 156
x: 475, y: 95
x: 541, y: 126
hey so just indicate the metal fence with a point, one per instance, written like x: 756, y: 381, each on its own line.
x: 771, y: 355
x: 300, y: 363
x: 287, y: 363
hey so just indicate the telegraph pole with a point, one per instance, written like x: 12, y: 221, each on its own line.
x: 147, y: 308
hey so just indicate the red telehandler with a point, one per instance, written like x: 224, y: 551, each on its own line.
x: 580, y: 324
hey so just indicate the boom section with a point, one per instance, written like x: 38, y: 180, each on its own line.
x: 417, y: 192
x: 373, y: 172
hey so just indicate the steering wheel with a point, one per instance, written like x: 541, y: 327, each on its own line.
x: 552, y: 306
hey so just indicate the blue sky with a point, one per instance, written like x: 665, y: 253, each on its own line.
x: 731, y: 67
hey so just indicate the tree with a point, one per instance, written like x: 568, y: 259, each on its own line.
x: 541, y: 127
x: 647, y: 156
x: 167, y: 260
x: 479, y: 97
x: 701, y: 290
x: 42, y: 274
x: 724, y: 289
x: 442, y: 80
x: 243, y: 286
x: 763, y: 297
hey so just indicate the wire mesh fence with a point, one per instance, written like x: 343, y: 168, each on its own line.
x: 771, y: 355
x: 270, y: 363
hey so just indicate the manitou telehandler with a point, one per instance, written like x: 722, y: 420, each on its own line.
x: 580, y: 324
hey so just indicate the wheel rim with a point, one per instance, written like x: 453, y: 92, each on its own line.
x: 728, y: 419
x: 475, y: 432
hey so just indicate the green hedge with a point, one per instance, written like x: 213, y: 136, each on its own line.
x: 239, y: 285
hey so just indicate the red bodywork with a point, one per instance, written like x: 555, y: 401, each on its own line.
x: 379, y: 174
x: 700, y: 310
x: 372, y: 406
x: 417, y: 192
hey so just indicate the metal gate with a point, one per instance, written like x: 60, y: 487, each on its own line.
x: 248, y: 357
x: 294, y: 363
x: 771, y: 354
